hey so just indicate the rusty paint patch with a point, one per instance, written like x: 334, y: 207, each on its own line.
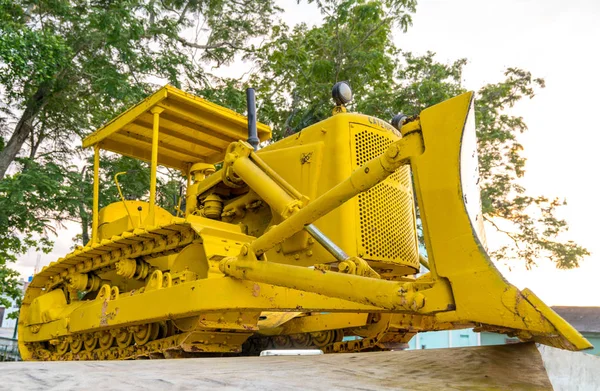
x: 255, y: 290
x: 104, y: 316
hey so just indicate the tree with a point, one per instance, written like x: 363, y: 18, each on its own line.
x: 32, y: 202
x: 297, y: 68
x: 10, y: 287
x: 354, y: 43
x: 533, y: 228
x: 68, y: 66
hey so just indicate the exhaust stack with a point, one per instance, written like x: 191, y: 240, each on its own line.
x: 251, y: 104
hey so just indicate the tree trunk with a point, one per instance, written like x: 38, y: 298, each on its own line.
x: 85, y: 236
x: 23, y: 129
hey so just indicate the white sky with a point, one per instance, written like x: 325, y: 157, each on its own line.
x: 556, y: 40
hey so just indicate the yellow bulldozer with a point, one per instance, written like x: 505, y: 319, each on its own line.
x: 307, y: 242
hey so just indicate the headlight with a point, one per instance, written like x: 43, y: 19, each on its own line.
x: 341, y: 93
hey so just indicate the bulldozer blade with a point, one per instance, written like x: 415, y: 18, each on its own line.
x: 446, y: 177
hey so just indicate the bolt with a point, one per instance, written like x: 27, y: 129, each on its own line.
x: 392, y: 152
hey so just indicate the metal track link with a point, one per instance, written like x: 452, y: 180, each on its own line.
x: 174, y: 347
x: 179, y: 345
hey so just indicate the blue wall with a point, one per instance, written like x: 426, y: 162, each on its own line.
x: 444, y: 339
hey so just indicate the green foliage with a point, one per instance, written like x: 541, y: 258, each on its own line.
x: 229, y: 93
x: 534, y: 227
x: 299, y: 67
x: 69, y: 66
x: 32, y: 203
x: 9, y: 286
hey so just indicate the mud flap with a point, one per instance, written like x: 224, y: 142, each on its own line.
x: 446, y: 176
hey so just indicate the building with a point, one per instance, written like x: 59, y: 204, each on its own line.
x: 5, y: 321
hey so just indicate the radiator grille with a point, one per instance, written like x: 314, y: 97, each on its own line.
x: 387, y: 219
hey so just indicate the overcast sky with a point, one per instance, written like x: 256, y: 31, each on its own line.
x: 555, y: 40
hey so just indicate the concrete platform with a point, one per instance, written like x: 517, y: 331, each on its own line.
x: 507, y: 367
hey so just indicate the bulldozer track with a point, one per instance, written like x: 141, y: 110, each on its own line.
x: 174, y: 346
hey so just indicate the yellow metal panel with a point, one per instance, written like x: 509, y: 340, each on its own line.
x: 136, y: 152
x: 312, y: 323
x: 125, y: 118
x: 386, y: 231
x: 189, y: 145
x: 166, y: 144
x: 264, y: 132
x: 186, y: 119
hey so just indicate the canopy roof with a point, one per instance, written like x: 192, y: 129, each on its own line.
x: 191, y: 130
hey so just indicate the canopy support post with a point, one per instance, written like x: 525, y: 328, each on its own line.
x: 96, y: 194
x: 153, y: 164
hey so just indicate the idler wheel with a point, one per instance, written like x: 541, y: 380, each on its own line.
x: 145, y: 333
x: 323, y: 338
x: 283, y: 342
x: 124, y: 338
x: 166, y: 329
x: 106, y: 340
x: 301, y: 340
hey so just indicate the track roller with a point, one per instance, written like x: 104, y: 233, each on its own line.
x: 90, y: 341
x: 124, y: 338
x: 146, y: 332
x: 106, y: 340
x: 76, y: 344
